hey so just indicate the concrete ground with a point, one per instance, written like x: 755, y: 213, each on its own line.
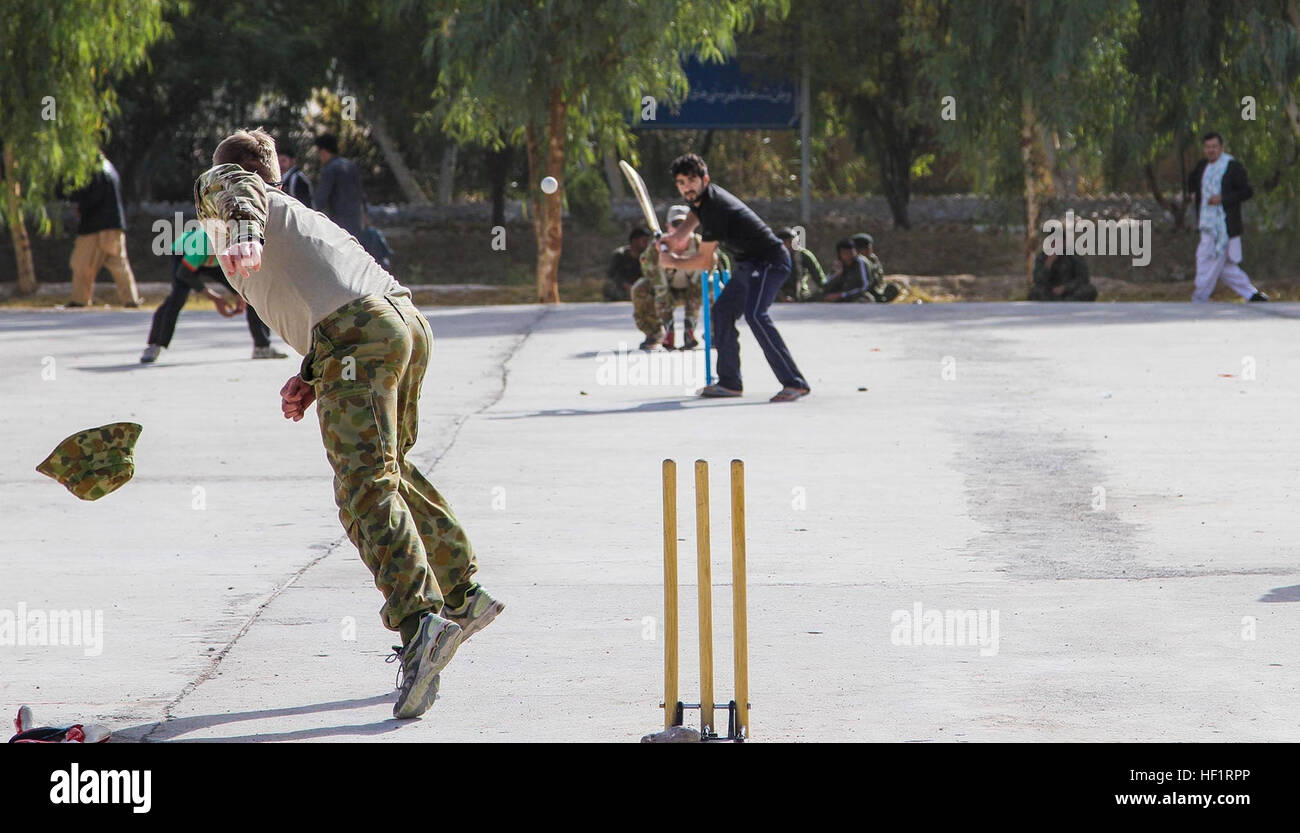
x: 1109, y: 489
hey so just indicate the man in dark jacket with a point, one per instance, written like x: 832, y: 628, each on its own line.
x: 1219, y: 185
x: 1061, y: 278
x: 338, y: 191
x: 293, y: 181
x: 851, y: 280
x: 101, y: 239
x: 625, y: 266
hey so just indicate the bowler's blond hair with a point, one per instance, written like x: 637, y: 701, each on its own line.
x: 252, y: 150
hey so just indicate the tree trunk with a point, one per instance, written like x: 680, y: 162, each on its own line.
x: 895, y: 178
x: 706, y: 145
x: 548, y: 209
x: 614, y: 176
x: 1177, y: 209
x: 13, y: 190
x: 500, y: 172
x: 1027, y: 124
x: 447, y: 174
x: 393, y: 156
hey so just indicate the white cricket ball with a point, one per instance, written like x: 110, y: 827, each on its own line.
x: 549, y: 185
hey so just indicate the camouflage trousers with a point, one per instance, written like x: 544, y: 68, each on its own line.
x: 367, y: 363
x: 653, y: 310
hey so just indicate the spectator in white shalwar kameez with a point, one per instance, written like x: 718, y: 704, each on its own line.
x: 1219, y: 185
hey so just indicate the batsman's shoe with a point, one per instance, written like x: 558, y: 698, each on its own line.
x: 428, y: 652
x: 718, y: 392
x: 268, y: 352
x: 1258, y: 297
x: 151, y: 354
x: 475, y: 614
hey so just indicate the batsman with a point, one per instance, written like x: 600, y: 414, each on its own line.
x: 365, y: 349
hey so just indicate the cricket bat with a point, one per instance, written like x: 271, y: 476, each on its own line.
x: 642, y: 196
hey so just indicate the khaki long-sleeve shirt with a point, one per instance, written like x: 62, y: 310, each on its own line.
x: 310, y: 266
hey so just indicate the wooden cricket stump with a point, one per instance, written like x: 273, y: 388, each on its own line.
x: 738, y: 708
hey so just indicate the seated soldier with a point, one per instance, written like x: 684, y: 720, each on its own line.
x: 625, y: 267
x: 882, y: 291
x: 851, y: 278
x: 806, y: 275
x: 1061, y: 278
x: 660, y: 291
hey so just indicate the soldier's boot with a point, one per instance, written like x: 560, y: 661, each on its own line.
x: 689, y: 342
x: 423, y: 658
x: 651, y: 342
x: 475, y: 614
x: 670, y: 340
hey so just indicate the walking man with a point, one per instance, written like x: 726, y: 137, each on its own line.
x: 101, y: 239
x: 295, y: 182
x: 1220, y: 186
x: 762, y: 264
x: 338, y: 190
x: 366, y: 348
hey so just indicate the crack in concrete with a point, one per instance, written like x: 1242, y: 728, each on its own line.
x: 453, y: 434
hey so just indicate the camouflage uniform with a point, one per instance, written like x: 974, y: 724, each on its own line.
x: 366, y: 361
x: 806, y: 277
x: 876, y: 273
x: 849, y: 281
x: 368, y: 409
x: 660, y: 291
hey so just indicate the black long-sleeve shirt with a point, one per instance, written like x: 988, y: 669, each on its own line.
x: 99, y: 202
x: 734, y: 226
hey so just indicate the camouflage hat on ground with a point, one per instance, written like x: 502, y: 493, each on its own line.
x: 94, y: 462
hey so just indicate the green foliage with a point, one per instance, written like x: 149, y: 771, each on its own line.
x: 602, y: 56
x: 62, y: 59
x: 588, y: 198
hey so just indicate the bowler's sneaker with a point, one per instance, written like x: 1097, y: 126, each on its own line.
x: 268, y: 352
x: 423, y: 658
x: 477, y: 612
x: 151, y: 354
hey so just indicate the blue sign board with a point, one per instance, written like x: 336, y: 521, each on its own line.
x: 723, y: 97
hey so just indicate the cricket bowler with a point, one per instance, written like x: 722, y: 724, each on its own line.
x: 365, y: 349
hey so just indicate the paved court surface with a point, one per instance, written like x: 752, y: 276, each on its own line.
x: 1110, y: 489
